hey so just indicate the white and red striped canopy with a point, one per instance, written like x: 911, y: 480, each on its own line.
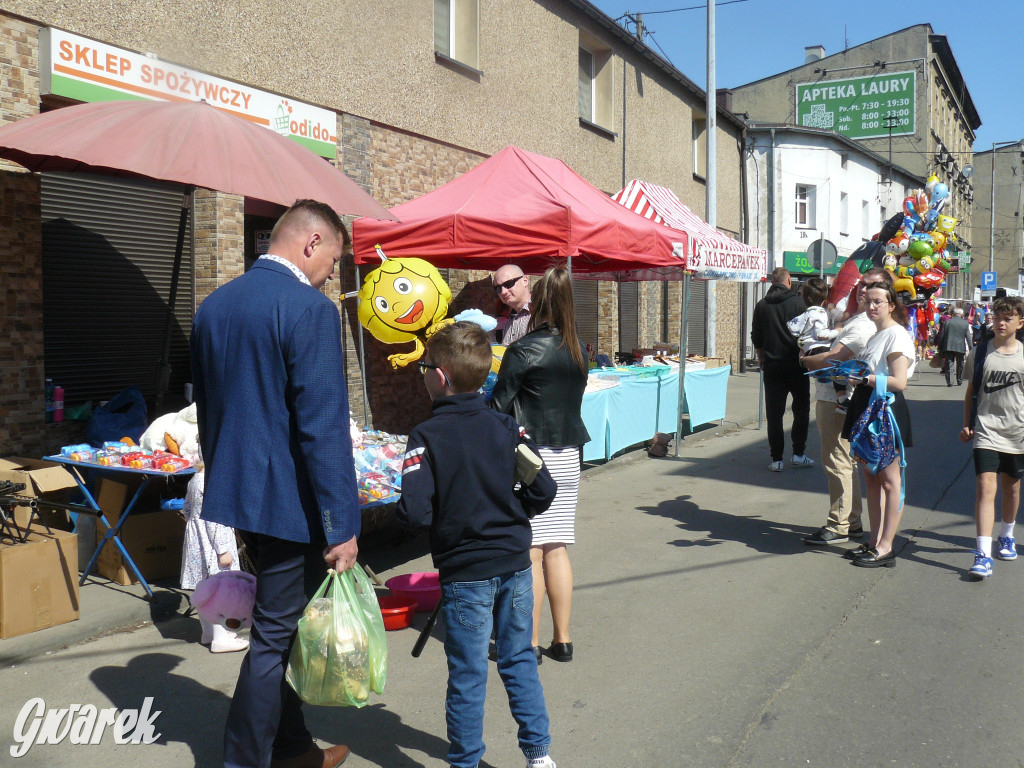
x: 712, y: 255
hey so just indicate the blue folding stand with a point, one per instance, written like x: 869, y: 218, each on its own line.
x: 113, y: 529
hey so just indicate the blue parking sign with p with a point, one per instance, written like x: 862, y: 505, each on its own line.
x: 988, y: 281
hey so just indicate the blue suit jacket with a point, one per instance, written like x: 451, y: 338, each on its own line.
x: 269, y: 383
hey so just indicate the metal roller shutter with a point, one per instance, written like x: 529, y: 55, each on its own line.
x: 696, y: 318
x: 629, y: 316
x: 108, y: 254
x: 584, y: 297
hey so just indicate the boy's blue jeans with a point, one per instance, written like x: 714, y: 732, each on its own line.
x: 471, y: 609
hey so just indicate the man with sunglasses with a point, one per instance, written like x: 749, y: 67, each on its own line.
x: 513, y: 288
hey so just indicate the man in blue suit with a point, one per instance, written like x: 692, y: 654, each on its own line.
x: 269, y: 384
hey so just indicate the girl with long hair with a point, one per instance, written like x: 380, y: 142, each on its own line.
x: 890, y: 352
x: 541, y: 383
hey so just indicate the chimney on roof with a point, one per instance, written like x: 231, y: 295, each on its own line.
x: 813, y: 53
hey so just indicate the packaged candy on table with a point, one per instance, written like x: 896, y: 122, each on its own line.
x: 171, y: 463
x: 116, y: 446
x: 108, y: 458
x: 137, y: 456
x: 67, y: 450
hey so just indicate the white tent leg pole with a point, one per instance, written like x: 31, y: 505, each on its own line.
x: 362, y: 366
x: 684, y: 311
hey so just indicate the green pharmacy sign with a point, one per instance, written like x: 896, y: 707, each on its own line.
x: 860, y: 107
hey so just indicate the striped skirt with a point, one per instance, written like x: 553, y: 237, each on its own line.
x: 558, y: 524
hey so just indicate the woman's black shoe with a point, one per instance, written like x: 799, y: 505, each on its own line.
x: 560, y: 651
x: 871, y: 559
x: 850, y: 554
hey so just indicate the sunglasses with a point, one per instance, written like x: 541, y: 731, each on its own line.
x: 424, y: 367
x: 507, y: 285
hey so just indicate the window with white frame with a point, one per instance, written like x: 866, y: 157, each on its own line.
x: 804, y: 211
x: 699, y: 130
x: 456, y: 31
x: 865, y: 219
x: 844, y: 214
x: 595, y: 82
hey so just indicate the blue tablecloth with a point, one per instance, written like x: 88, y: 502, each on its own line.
x: 632, y: 412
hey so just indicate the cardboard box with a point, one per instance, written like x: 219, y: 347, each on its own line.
x: 43, y: 480
x: 153, y: 537
x: 38, y: 582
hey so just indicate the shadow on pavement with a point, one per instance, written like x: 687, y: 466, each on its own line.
x: 152, y: 674
x: 713, y: 527
x: 378, y: 735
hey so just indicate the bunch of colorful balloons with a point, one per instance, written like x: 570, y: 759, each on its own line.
x: 916, y: 253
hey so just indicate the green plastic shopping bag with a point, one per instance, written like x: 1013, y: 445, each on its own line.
x: 340, y: 653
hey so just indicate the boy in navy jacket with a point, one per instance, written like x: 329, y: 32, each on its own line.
x: 459, y: 478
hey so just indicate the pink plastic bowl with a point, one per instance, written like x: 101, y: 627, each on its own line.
x: 397, y: 611
x: 424, y: 588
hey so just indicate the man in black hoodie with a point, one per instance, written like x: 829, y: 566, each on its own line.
x: 779, y: 356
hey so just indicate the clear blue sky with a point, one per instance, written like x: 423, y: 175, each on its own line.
x: 759, y: 38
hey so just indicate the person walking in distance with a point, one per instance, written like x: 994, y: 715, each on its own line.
x: 952, y: 344
x: 779, y: 356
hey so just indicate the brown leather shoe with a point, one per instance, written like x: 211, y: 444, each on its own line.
x: 314, y: 757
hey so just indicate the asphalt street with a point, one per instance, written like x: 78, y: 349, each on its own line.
x: 706, y: 633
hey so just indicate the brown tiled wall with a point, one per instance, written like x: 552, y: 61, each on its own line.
x: 219, y: 221
x: 406, y: 166
x: 22, y: 427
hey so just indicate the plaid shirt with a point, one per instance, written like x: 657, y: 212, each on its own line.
x: 517, y: 323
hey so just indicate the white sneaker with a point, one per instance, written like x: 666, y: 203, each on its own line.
x: 802, y: 461
x: 541, y: 762
x: 775, y: 466
x: 229, y: 645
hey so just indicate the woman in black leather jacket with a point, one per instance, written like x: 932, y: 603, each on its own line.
x: 541, y: 383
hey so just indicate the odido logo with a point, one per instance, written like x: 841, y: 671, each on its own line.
x: 285, y: 124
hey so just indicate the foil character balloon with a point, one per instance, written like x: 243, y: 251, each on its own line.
x: 921, y: 202
x: 938, y: 241
x: 919, y: 249
x: 404, y: 300
x: 908, y: 207
x: 901, y: 280
x: 940, y: 192
x: 930, y: 183
x: 899, y: 243
x: 945, y: 224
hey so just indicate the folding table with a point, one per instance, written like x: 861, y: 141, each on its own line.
x: 114, y: 529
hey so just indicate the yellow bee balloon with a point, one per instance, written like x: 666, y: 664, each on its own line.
x: 404, y: 300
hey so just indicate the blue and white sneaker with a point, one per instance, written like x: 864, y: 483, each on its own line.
x: 1007, y: 548
x: 982, y: 567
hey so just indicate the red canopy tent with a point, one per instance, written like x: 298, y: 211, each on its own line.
x: 519, y: 207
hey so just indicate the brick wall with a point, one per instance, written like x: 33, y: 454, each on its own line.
x: 405, y: 166
x: 23, y: 430
x: 219, y: 225
x: 22, y: 427
x: 607, y: 318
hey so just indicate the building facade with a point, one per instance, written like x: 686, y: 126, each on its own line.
x: 997, y: 227
x: 902, y: 96
x: 405, y: 110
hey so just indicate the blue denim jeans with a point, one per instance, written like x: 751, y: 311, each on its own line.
x: 471, y: 609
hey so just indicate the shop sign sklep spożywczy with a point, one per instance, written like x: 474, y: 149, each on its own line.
x: 86, y: 70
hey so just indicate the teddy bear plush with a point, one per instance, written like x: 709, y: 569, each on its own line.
x: 225, y: 600
x: 176, y: 433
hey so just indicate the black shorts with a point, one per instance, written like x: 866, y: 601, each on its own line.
x: 987, y: 460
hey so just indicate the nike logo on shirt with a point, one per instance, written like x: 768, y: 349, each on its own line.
x: 990, y: 388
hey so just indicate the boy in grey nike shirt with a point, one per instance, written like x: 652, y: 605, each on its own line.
x: 994, y: 419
